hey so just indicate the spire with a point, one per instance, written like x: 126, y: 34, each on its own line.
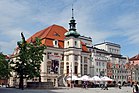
x: 72, y: 12
x: 72, y: 23
x: 72, y: 26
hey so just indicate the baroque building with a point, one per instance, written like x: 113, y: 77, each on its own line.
x: 69, y: 53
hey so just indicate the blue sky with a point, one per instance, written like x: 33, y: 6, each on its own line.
x: 115, y: 21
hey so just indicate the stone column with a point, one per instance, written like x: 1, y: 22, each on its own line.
x: 43, y: 67
x: 59, y: 66
x: 88, y: 65
x: 83, y: 65
x: 73, y: 64
x: 56, y: 83
x: 65, y: 66
x: 79, y: 65
x: 70, y: 68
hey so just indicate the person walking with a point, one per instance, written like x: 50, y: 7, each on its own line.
x: 102, y: 84
x: 119, y: 85
x: 106, y: 86
x: 136, y: 87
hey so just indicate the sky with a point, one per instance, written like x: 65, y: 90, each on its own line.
x: 115, y: 21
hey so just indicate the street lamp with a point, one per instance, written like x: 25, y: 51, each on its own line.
x: 133, y: 78
x: 71, y: 74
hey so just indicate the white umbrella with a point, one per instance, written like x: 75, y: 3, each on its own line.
x: 105, y: 78
x: 95, y: 78
x: 85, y: 77
x: 72, y: 78
x: 79, y: 79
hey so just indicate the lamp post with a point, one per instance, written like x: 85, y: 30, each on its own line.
x: 71, y: 75
x: 122, y: 72
x: 134, y: 76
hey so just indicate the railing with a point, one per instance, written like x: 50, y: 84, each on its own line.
x: 65, y: 80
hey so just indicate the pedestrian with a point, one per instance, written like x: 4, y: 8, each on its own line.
x: 102, y: 85
x: 86, y: 84
x: 106, y: 86
x: 119, y: 85
x: 136, y: 87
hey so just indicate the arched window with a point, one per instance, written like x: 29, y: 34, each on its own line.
x: 75, y: 43
x: 68, y: 43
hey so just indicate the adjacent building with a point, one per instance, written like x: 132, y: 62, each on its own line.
x: 109, y: 61
x: 134, y: 68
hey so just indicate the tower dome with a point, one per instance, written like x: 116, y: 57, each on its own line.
x: 72, y: 29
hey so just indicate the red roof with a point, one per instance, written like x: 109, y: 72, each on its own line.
x: 127, y: 65
x: 134, y: 58
x: 84, y: 48
x: 51, y: 33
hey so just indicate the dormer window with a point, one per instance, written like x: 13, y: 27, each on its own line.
x: 56, y: 34
x: 55, y: 43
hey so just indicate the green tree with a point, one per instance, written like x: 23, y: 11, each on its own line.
x: 4, y: 67
x: 29, y: 59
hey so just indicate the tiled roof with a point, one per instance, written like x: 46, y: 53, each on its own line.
x: 51, y: 33
x: 134, y: 58
x: 127, y: 65
x: 84, y: 48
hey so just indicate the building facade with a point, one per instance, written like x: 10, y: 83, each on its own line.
x: 113, y: 62
x: 68, y: 53
x: 134, y: 68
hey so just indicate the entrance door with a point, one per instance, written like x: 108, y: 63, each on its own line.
x: 76, y: 69
x: 67, y: 69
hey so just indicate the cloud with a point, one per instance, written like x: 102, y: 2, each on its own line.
x: 7, y: 47
x: 129, y: 24
x: 99, y: 19
x: 11, y: 12
x: 12, y: 15
x: 13, y: 36
x: 16, y: 15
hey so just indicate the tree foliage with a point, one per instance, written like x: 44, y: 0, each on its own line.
x: 29, y: 58
x: 4, y: 67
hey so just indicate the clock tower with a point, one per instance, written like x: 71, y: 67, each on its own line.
x: 72, y: 50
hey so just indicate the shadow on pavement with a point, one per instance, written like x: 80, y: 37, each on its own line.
x: 13, y: 90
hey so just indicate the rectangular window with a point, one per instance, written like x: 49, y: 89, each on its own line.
x: 49, y: 80
x: 85, y: 59
x: 62, y: 56
x: 76, y: 58
x: 103, y: 63
x: 97, y: 63
x: 48, y: 55
x: 55, y: 53
x: 61, y: 70
x: 67, y: 58
x: 81, y: 69
x: 48, y: 69
x: 96, y: 69
x: 85, y: 69
x: 81, y: 59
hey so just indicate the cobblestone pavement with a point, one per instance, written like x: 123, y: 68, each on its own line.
x: 13, y: 90
x: 95, y: 90
x: 68, y: 90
